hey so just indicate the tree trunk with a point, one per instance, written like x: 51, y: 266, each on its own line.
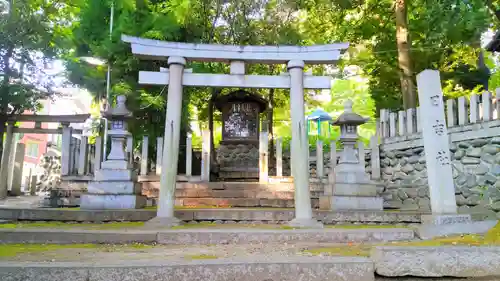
x: 4, y: 92
x: 404, y: 56
x: 270, y: 121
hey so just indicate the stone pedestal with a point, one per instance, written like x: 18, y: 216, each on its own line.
x: 351, y: 187
x: 115, y: 184
x: 238, y: 161
x: 114, y: 187
x: 352, y: 190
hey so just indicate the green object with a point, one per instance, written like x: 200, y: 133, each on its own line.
x: 319, y: 128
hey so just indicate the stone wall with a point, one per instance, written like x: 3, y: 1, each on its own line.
x: 50, y: 177
x: 475, y: 155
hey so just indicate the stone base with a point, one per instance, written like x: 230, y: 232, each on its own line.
x: 305, y: 223
x: 449, y: 261
x: 446, y: 219
x: 442, y: 225
x: 162, y: 222
x: 112, y: 201
x: 115, y: 187
x: 116, y: 164
x: 60, y: 198
x: 355, y: 189
x: 115, y: 175
x: 234, y: 268
x: 356, y: 203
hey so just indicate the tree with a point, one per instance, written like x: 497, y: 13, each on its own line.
x: 442, y: 35
x: 223, y: 22
x: 404, y: 56
x: 31, y: 33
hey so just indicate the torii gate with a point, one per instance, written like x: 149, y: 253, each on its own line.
x: 176, y: 77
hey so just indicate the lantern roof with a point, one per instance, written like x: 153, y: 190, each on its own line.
x: 119, y: 111
x: 348, y: 117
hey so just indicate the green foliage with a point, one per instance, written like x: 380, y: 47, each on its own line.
x: 32, y: 33
x: 445, y: 35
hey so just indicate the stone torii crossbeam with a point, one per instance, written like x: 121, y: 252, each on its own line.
x: 176, y: 77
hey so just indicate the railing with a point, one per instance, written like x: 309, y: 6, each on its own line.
x: 193, y: 163
x: 459, y: 112
x: 85, y: 158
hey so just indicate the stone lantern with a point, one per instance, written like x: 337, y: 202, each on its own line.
x: 115, y: 184
x: 352, y: 188
x: 118, y: 131
x: 348, y: 122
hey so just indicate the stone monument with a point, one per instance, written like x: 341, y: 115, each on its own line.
x: 238, y: 153
x: 352, y: 186
x: 444, y: 219
x: 115, y: 184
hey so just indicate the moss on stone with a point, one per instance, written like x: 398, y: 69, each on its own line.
x: 492, y: 238
x: 12, y: 250
x: 232, y: 226
x: 201, y: 257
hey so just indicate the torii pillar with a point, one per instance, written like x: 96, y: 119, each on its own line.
x: 166, y: 203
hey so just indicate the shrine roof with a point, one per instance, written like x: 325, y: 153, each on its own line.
x: 240, y: 96
x: 161, y: 50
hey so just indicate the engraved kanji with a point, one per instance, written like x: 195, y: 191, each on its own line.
x: 443, y: 158
x: 438, y: 128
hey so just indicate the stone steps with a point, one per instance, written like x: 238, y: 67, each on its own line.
x: 259, y: 194
x: 285, y: 269
x: 203, y: 236
x: 216, y: 214
x: 237, y: 189
x: 239, y: 202
x: 249, y: 236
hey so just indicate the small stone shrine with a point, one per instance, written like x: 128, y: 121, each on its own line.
x: 115, y: 184
x: 238, y: 153
x: 352, y: 186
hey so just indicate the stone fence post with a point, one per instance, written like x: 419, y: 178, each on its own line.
x: 144, y: 155
x: 279, y: 157
x: 375, y: 158
x: 263, y: 154
x: 159, y: 154
x: 189, y: 156
x: 205, y: 156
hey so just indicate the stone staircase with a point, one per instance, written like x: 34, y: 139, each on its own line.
x: 235, y: 194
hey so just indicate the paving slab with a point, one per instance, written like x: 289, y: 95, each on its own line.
x: 289, y: 269
x: 64, y: 236
x: 61, y: 214
x: 243, y: 236
x: 239, y: 214
x: 450, y: 261
x: 429, y: 231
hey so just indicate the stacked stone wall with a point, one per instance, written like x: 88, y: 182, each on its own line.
x: 475, y: 160
x: 50, y: 175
